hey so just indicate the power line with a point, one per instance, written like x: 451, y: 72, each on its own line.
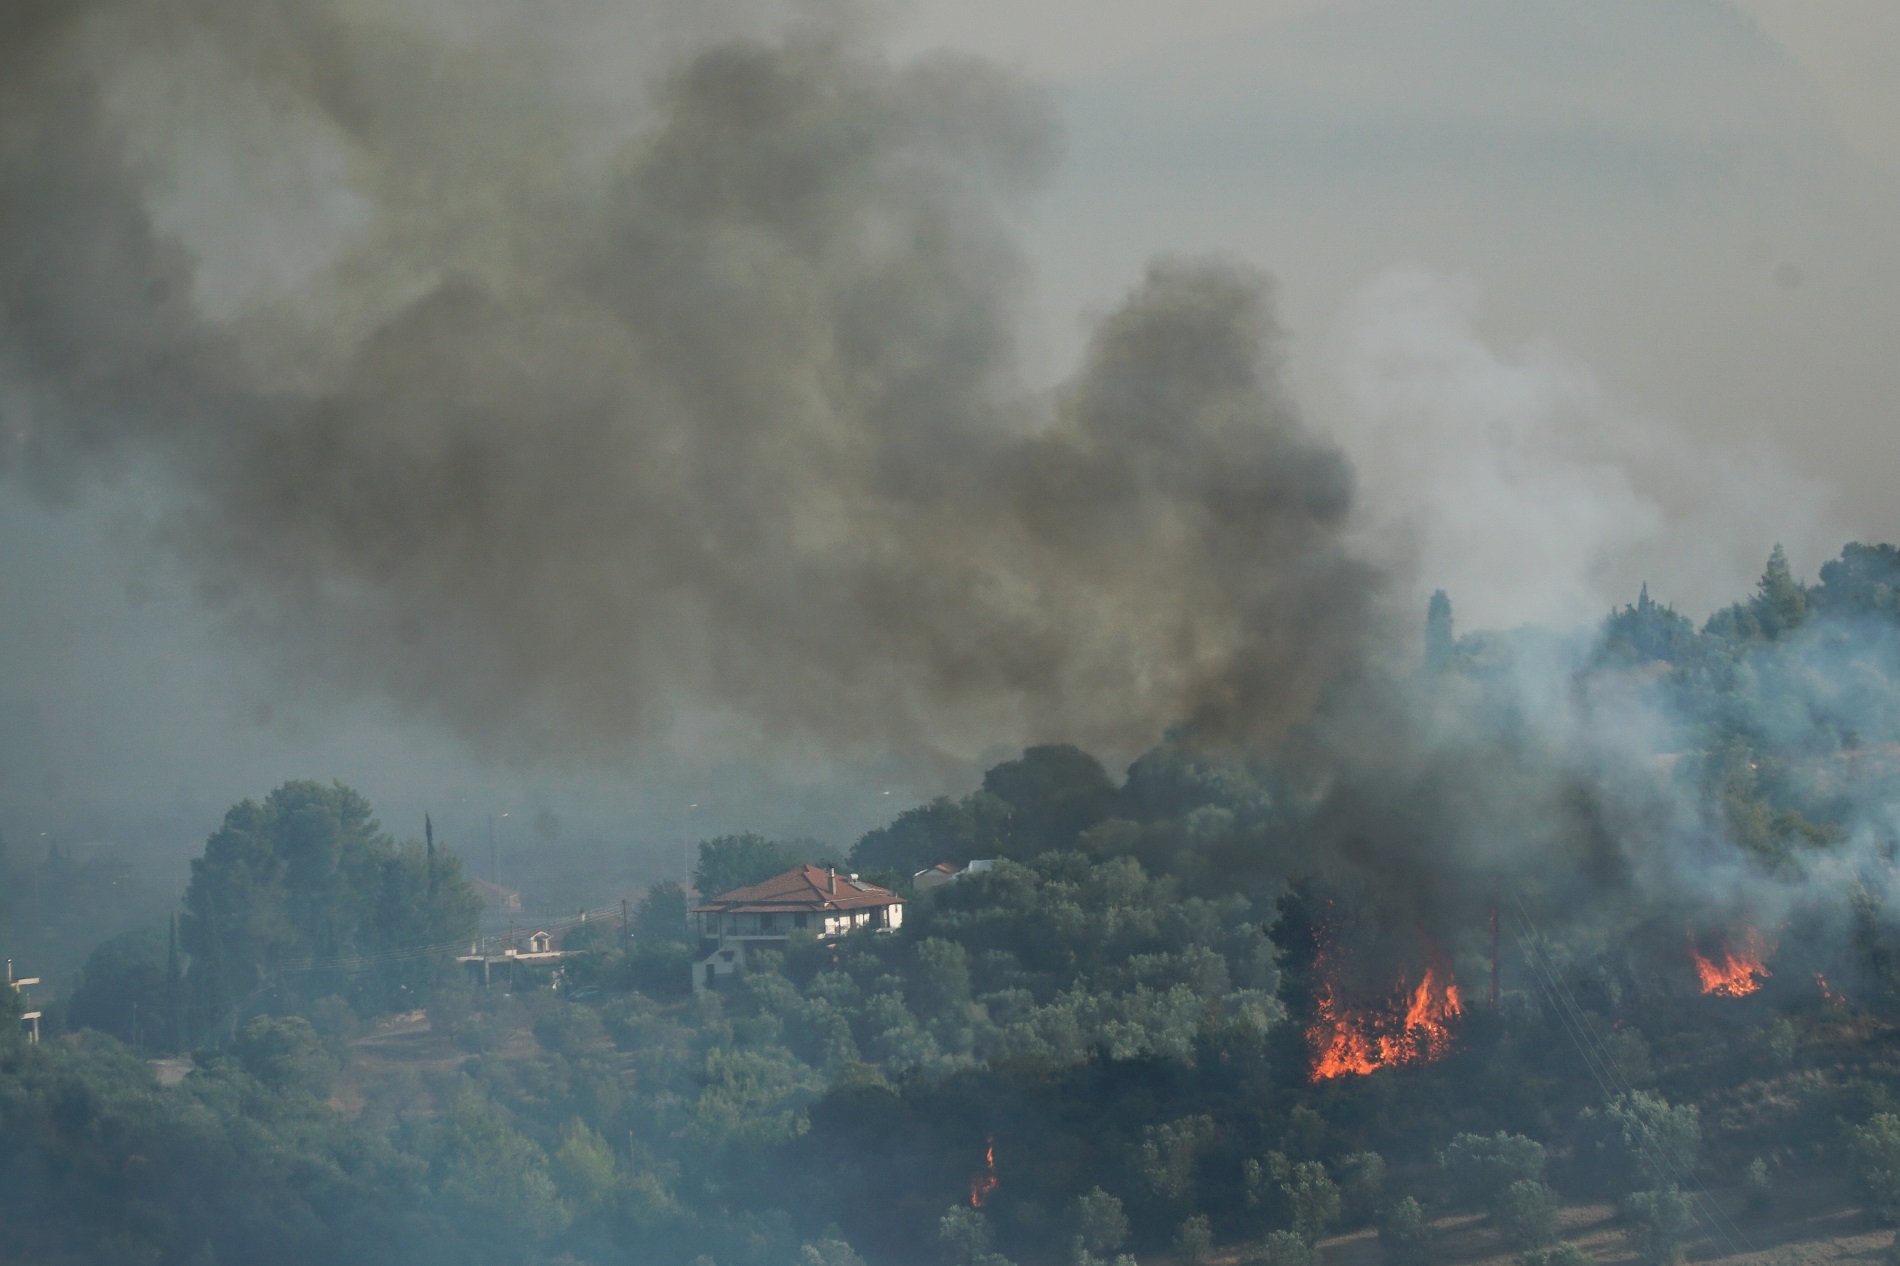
x: 1603, y: 1070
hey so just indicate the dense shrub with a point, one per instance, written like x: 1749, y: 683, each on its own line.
x: 1478, y: 1168
x: 1874, y: 1149
x: 1638, y: 1141
x: 1659, y: 1223
x: 1282, y: 1248
x: 1405, y: 1237
x: 1526, y: 1215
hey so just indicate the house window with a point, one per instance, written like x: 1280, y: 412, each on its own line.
x: 801, y: 919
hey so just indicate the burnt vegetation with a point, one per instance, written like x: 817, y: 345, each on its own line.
x: 1114, y: 1041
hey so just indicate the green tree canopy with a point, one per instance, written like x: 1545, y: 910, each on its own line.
x: 1054, y: 793
x: 1647, y: 631
x: 122, y: 988
x: 733, y: 861
x: 944, y: 830
x: 661, y: 915
x: 1864, y: 580
x: 310, y: 874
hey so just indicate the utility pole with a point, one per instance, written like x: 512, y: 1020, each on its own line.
x: 29, y: 1018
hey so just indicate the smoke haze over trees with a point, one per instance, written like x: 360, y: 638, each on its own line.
x: 580, y: 403
x: 1109, y: 1040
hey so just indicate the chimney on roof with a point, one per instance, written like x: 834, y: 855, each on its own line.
x: 831, y: 873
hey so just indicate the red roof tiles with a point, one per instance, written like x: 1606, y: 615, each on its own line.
x: 802, y: 888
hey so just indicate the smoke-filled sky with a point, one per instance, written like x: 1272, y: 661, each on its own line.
x: 401, y: 393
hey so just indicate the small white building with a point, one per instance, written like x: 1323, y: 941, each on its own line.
x: 481, y: 961
x: 815, y: 899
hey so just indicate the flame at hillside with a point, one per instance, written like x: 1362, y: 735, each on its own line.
x: 1414, y: 1029
x: 1738, y: 968
x: 984, y: 1183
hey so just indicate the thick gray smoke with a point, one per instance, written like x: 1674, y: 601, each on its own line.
x: 573, y: 408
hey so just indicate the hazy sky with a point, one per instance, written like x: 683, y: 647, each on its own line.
x: 1593, y: 291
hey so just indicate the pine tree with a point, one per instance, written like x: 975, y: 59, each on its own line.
x: 1781, y: 604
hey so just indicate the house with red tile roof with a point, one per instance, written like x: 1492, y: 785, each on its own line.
x: 815, y: 899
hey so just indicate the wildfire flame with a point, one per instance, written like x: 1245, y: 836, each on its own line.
x: 1834, y: 999
x: 1356, y: 1042
x: 1739, y: 970
x: 984, y: 1183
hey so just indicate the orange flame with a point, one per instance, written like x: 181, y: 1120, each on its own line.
x: 984, y: 1183
x: 1834, y: 999
x: 1358, y: 1042
x: 1737, y: 972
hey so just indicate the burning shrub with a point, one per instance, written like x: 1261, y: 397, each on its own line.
x: 1737, y: 966
x: 1526, y: 1215
x: 1480, y: 1169
x: 1405, y: 1237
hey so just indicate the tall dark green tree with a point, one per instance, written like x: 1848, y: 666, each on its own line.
x: 1779, y: 607
x: 1054, y: 793
x: 1646, y: 632
x: 122, y: 990
x: 944, y: 830
x: 310, y: 874
x: 1864, y: 580
x: 1780, y: 602
x: 661, y: 915
x: 734, y: 861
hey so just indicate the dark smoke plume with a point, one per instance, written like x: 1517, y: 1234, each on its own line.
x: 569, y: 416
